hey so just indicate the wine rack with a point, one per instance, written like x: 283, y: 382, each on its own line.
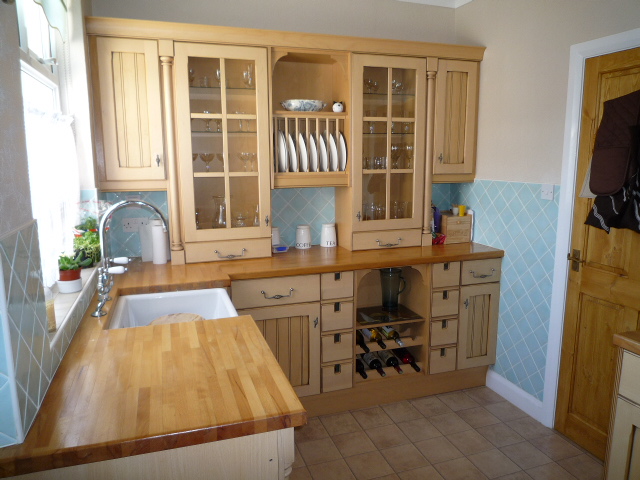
x: 409, y: 325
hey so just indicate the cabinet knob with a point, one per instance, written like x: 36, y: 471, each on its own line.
x: 158, y: 160
x: 441, y: 158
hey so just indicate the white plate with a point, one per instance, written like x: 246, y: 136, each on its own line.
x: 334, y: 154
x: 293, y: 155
x: 343, y: 153
x: 304, y: 159
x: 324, y: 163
x: 313, y: 154
x: 282, y: 153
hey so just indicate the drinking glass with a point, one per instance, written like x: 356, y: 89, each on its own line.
x: 245, y: 157
x: 219, y: 212
x: 408, y: 155
x: 207, y: 158
x: 247, y: 76
x: 192, y: 77
x: 218, y: 76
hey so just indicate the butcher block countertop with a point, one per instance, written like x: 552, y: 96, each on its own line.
x: 138, y: 390
x: 629, y: 341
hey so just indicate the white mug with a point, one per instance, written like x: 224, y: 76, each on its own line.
x: 303, y: 237
x: 328, y: 235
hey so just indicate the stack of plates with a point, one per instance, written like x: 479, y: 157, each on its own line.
x: 294, y: 156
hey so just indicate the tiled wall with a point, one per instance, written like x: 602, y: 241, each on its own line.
x: 35, y: 356
x: 512, y: 216
x: 8, y: 421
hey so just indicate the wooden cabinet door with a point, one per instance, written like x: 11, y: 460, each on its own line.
x: 456, y: 118
x: 478, y: 325
x: 293, y: 334
x: 128, y: 114
x: 624, y: 451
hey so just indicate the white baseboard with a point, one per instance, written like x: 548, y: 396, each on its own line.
x: 521, y: 399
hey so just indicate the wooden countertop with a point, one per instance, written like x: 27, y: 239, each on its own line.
x: 629, y: 341
x: 139, y: 390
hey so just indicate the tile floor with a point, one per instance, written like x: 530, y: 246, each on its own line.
x: 468, y: 434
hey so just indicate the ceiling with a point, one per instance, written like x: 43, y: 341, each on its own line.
x: 440, y: 3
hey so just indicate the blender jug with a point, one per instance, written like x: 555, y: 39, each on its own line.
x: 390, y: 279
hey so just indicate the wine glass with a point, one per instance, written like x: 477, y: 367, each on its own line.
x: 396, y: 152
x: 247, y: 76
x: 408, y: 154
x: 245, y: 157
x: 192, y: 77
x: 220, y: 158
x: 207, y: 158
x: 218, y: 76
x: 194, y: 156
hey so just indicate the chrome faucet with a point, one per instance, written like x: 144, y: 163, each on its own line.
x: 111, y: 266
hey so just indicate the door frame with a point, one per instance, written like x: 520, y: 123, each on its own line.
x: 579, y: 53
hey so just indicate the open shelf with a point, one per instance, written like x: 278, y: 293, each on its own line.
x: 390, y: 372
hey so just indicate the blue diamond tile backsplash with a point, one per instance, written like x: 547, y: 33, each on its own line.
x: 512, y: 216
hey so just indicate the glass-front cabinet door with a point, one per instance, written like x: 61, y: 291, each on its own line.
x: 223, y: 150
x: 389, y: 131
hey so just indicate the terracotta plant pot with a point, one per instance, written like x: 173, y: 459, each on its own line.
x: 68, y: 275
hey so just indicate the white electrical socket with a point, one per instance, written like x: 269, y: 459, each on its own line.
x: 546, y: 192
x: 133, y: 224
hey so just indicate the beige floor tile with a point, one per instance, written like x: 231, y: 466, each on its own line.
x: 505, y: 411
x: 499, y: 434
x: 371, y: 417
x: 555, y: 447
x: 493, y: 463
x: 438, y: 450
x: 484, y: 395
x: 430, y: 406
x: 478, y: 417
x: 459, y: 469
x: 550, y: 471
x: 529, y: 428
x: 353, y: 443
x: 318, y: 451
x: 393, y: 476
x: 313, y: 430
x: 401, y: 411
x: 301, y: 473
x: 340, y: 423
x: 583, y: 467
x: 516, y: 476
x: 369, y: 465
x: 297, y: 459
x: 404, y: 457
x: 387, y: 436
x: 335, y: 470
x: 449, y: 423
x: 525, y: 455
x: 458, y: 401
x: 470, y: 442
x: 424, y: 473
x: 420, y: 429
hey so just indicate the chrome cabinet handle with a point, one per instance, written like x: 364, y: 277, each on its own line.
x: 358, y: 216
x: 386, y: 245
x: 441, y: 158
x: 483, y: 275
x: 315, y: 322
x: 466, y: 304
x: 266, y: 220
x: 277, y: 297
x: 158, y: 160
x: 231, y: 255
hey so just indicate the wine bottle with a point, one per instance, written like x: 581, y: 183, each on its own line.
x: 360, y: 368
x: 406, y: 357
x: 373, y: 335
x: 391, y: 334
x: 390, y: 360
x: 374, y: 363
x: 360, y: 341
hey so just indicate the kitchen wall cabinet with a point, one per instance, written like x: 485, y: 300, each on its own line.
x: 384, y: 207
x: 222, y: 122
x: 127, y: 114
x: 455, y: 122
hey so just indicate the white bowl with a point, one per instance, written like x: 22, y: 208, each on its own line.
x: 302, y: 105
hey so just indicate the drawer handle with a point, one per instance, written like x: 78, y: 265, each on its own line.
x: 444, y: 324
x: 337, y: 368
x: 231, y: 255
x: 386, y: 245
x: 445, y: 295
x: 277, y: 297
x: 443, y: 352
x: 482, y: 275
x: 337, y: 338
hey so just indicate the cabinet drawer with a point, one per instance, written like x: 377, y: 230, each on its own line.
x: 444, y: 332
x: 260, y: 292
x: 629, y: 385
x: 394, y: 238
x: 337, y: 347
x: 336, y: 285
x: 337, y: 377
x: 445, y: 274
x: 444, y: 302
x: 480, y: 271
x: 337, y: 316
x: 206, y: 251
x: 442, y: 359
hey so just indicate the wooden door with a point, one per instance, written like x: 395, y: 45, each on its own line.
x: 603, y: 294
x: 478, y: 325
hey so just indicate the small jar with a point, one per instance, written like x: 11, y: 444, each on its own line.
x: 328, y: 235
x: 303, y: 237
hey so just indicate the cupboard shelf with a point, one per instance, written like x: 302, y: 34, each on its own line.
x: 310, y: 179
x: 390, y: 372
x: 416, y: 341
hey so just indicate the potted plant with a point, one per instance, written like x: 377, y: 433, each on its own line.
x: 88, y: 245
x: 69, y: 267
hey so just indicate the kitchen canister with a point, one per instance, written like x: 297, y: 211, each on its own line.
x: 160, y: 242
x: 328, y: 235
x: 303, y: 237
x: 275, y: 235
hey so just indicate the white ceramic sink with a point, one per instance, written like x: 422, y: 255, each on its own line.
x: 140, y: 310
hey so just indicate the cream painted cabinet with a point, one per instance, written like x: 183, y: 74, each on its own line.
x: 222, y: 123
x: 384, y: 207
x: 128, y: 117
x: 456, y: 117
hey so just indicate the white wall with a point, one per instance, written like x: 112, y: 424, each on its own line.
x: 524, y: 74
